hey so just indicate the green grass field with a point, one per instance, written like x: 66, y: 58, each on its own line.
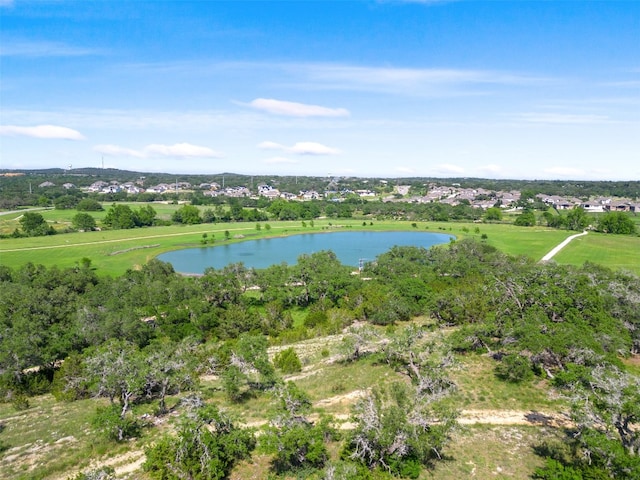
x: 620, y: 252
x: 112, y: 252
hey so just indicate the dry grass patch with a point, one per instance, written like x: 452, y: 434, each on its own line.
x: 490, y: 452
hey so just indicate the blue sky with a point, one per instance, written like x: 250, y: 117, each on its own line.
x: 496, y: 89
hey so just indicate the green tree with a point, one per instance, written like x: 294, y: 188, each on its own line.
x: 493, y: 214
x: 34, y: 225
x: 116, y: 370
x: 145, y: 216
x: 83, y: 221
x: 526, y: 219
x: 577, y: 219
x: 207, y: 446
x: 120, y: 217
x: 170, y: 369
x: 291, y: 438
x: 208, y: 216
x: 616, y: 223
x: 89, y: 205
x: 65, y: 202
x: 248, y: 367
x: 287, y: 361
x: 399, y: 429
x: 187, y: 214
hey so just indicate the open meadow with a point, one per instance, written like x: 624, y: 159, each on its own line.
x: 114, y: 251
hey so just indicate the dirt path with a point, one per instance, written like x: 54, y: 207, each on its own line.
x: 123, y: 465
x: 130, y: 462
x: 559, y: 247
x: 128, y: 239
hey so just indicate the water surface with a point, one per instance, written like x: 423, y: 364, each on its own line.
x: 351, y: 248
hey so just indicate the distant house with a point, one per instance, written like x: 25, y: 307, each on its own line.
x: 309, y: 195
x: 68, y: 185
x: 592, y: 207
x: 365, y: 193
x: 47, y: 184
x: 97, y: 186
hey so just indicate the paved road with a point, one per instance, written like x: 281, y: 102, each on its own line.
x: 9, y: 212
x: 551, y: 254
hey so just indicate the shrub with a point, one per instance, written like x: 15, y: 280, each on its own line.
x: 287, y: 361
x: 108, y: 421
x: 514, y: 368
x: 89, y: 205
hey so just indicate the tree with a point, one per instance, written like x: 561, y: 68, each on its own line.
x: 248, y: 367
x: 208, y: 216
x: 611, y: 404
x: 616, y: 223
x: 170, y: 369
x: 89, y: 205
x: 287, y: 361
x: 187, y: 214
x: 120, y: 217
x: 65, y: 202
x: 145, y: 216
x: 526, y: 219
x: 399, y: 429
x: 83, y: 221
x: 116, y: 370
x: 207, y: 446
x: 294, y: 441
x: 577, y: 219
x: 493, y: 214
x: 34, y: 225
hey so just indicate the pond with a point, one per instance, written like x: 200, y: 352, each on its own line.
x: 351, y: 248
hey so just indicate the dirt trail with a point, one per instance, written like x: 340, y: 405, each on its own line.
x: 132, y: 461
x: 122, y: 464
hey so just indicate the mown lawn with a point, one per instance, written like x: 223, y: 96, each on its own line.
x: 112, y: 252
x: 620, y: 252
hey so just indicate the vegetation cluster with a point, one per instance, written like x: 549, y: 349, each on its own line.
x: 145, y: 338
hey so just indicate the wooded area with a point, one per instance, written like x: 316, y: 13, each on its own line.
x: 151, y: 333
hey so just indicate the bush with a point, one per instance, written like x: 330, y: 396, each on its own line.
x: 19, y: 401
x: 89, y: 205
x: 207, y: 447
x: 287, y: 361
x: 514, y: 368
x: 108, y: 421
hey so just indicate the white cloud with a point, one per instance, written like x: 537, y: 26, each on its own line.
x: 293, y: 109
x: 44, y: 49
x: 407, y: 170
x: 565, y: 172
x: 447, y: 168
x: 313, y: 148
x: 491, y: 168
x: 182, y: 150
x: 407, y: 81
x: 271, y: 146
x: 277, y: 160
x: 301, y: 148
x: 564, y: 118
x: 116, y: 151
x: 42, y: 131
